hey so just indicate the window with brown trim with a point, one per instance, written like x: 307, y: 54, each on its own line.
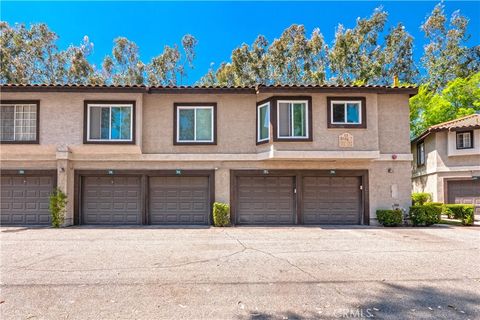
x: 263, y: 122
x: 195, y: 123
x: 290, y: 117
x: 464, y: 139
x: 111, y: 122
x: 19, y: 121
x: 346, y: 112
x: 420, y: 153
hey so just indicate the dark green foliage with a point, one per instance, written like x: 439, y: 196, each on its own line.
x: 221, y: 214
x: 463, y: 212
x: 390, y: 218
x: 419, y: 198
x: 425, y: 215
x: 58, y: 207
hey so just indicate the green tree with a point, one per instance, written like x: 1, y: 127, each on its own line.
x: 124, y: 67
x: 459, y: 98
x: 29, y: 55
x: 77, y: 67
x: 446, y: 56
x: 166, y: 68
x: 356, y: 54
x: 397, y: 58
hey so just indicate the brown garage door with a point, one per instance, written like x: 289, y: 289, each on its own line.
x: 331, y: 200
x: 465, y: 192
x: 112, y: 200
x: 25, y: 199
x: 179, y: 200
x: 265, y: 200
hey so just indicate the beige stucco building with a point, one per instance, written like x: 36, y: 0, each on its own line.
x: 163, y: 155
x: 447, y: 161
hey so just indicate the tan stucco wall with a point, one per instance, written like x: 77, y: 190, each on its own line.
x: 394, y: 123
x: 61, y: 124
x: 441, y: 164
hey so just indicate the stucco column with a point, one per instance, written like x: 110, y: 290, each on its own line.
x: 65, y: 176
x: 222, y: 185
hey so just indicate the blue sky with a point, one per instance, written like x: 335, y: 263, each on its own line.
x: 218, y: 26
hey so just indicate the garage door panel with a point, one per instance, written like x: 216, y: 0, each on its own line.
x: 112, y: 200
x: 265, y: 200
x: 25, y: 199
x: 179, y: 200
x: 465, y: 192
x: 331, y: 200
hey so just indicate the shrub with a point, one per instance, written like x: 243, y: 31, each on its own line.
x: 468, y: 215
x: 221, y: 214
x: 419, y: 198
x: 58, y: 207
x: 390, y: 218
x: 463, y: 212
x: 453, y: 211
x: 425, y: 215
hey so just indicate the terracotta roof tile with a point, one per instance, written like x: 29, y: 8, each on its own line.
x: 468, y: 122
x: 463, y: 122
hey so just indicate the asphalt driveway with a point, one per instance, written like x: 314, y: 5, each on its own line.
x: 242, y: 273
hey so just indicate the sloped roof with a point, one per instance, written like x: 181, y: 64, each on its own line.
x: 468, y: 122
x: 207, y: 89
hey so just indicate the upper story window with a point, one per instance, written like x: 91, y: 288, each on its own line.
x: 19, y: 121
x: 195, y: 123
x: 346, y: 112
x: 465, y: 140
x: 109, y: 122
x: 292, y: 119
x: 263, y: 122
x: 420, y: 153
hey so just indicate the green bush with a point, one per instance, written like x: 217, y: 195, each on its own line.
x: 57, y: 207
x: 425, y: 215
x: 390, y: 218
x: 463, y: 212
x: 419, y: 198
x: 453, y: 211
x: 468, y: 215
x: 221, y: 214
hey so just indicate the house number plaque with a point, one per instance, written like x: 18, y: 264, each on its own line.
x: 345, y: 140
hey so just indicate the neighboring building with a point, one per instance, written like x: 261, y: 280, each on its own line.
x: 163, y: 155
x: 447, y: 161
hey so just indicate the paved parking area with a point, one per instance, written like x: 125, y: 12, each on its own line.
x: 240, y: 273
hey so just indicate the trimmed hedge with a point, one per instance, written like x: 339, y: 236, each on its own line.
x: 425, y: 215
x: 463, y: 212
x: 390, y: 218
x: 221, y: 214
x: 420, y: 198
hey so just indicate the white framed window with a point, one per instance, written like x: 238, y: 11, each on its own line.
x: 263, y: 122
x: 465, y: 140
x: 195, y: 124
x: 110, y: 122
x: 292, y: 119
x: 19, y: 122
x: 346, y: 112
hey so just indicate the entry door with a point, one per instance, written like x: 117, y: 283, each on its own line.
x: 265, y: 200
